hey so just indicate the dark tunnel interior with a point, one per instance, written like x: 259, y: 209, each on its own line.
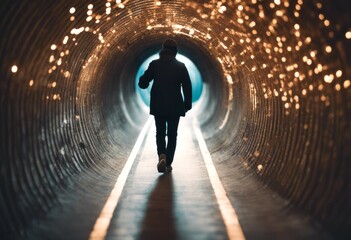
x: 275, y: 101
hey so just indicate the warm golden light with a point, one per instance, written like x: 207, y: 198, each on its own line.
x: 328, y: 78
x: 327, y: 23
x: 14, y: 69
x: 338, y: 73
x: 328, y: 49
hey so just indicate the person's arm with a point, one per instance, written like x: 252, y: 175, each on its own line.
x: 187, y: 89
x: 147, y: 77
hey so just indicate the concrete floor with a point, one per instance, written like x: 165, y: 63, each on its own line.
x: 178, y: 205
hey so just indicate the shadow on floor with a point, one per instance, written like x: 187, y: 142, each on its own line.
x: 159, y: 221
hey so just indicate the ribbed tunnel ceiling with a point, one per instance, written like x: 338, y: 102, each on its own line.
x: 276, y: 94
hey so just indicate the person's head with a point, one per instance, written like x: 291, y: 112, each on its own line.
x: 169, y: 46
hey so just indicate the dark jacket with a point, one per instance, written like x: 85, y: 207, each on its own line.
x: 169, y: 77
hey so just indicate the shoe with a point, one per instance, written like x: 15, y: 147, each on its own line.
x: 168, y: 168
x: 161, y: 165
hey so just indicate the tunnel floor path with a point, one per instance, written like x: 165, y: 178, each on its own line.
x: 177, y: 205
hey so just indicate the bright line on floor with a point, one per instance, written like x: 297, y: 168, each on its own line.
x: 228, y: 213
x: 103, y: 222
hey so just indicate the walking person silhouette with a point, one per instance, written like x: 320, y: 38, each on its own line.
x: 170, y: 76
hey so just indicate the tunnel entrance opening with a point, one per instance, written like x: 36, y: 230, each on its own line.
x: 194, y: 73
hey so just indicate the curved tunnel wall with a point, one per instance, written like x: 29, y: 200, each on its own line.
x: 276, y: 94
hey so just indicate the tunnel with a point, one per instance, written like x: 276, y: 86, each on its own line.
x: 274, y: 105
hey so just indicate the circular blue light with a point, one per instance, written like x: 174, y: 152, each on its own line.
x: 194, y: 73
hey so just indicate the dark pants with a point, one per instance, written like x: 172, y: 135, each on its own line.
x: 171, y: 125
